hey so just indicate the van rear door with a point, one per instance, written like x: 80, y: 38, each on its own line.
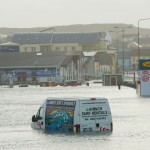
x: 94, y: 115
x: 87, y: 120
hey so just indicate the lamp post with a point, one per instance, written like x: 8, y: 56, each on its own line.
x: 123, y: 30
x: 48, y: 29
x: 36, y: 63
x: 52, y: 33
x: 139, y: 35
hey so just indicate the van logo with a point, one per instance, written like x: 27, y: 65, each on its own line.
x: 146, y: 64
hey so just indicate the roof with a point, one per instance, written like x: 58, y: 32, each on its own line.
x: 71, y: 55
x: 75, y: 37
x: 142, y: 40
x: 143, y: 52
x: 28, y: 60
x: 89, y: 54
x: 65, y: 61
x: 133, y: 44
x: 9, y: 44
x: 103, y: 58
x: 32, y: 38
x: 75, y: 53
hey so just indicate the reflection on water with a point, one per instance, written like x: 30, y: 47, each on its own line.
x: 131, y: 120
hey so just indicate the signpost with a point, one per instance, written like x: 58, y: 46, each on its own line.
x: 143, y: 83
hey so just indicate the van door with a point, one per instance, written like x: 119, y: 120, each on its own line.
x: 94, y: 115
x: 87, y: 120
x: 38, y: 120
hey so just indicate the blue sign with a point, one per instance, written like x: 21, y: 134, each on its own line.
x: 144, y: 64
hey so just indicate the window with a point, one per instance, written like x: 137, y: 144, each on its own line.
x: 40, y: 113
x: 57, y: 48
x: 33, y: 49
x: 73, y: 48
x: 45, y: 48
x: 25, y: 49
x: 65, y: 48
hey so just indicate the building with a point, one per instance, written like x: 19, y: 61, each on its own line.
x: 29, y: 67
x: 44, y: 42
x: 62, y: 55
x: 9, y: 47
x: 144, y: 54
x: 143, y: 42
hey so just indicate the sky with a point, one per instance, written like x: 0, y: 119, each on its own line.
x: 48, y: 13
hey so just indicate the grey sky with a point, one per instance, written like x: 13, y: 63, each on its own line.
x: 46, y: 13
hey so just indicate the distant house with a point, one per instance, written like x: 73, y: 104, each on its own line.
x: 143, y: 42
x: 96, y: 63
x: 144, y: 54
x: 129, y: 37
x: 62, y: 54
x: 9, y: 47
x: 140, y: 49
x: 58, y: 66
x: 77, y: 41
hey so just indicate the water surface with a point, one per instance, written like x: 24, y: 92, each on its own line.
x: 131, y: 120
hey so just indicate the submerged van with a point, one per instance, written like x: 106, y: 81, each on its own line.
x: 74, y: 114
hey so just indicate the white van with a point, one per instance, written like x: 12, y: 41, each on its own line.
x: 74, y: 114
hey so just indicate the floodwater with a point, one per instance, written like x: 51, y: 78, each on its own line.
x: 131, y: 119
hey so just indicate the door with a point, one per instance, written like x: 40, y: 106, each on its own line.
x: 40, y: 118
x: 113, y: 81
x: 87, y: 118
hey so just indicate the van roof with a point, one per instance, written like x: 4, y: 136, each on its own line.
x: 76, y: 98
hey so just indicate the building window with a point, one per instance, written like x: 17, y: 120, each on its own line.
x: 33, y: 49
x: 45, y: 48
x: 57, y: 48
x: 65, y: 48
x: 73, y: 48
x: 25, y: 49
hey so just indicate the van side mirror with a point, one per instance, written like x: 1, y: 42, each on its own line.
x: 34, y: 119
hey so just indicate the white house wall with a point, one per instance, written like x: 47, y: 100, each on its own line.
x: 61, y: 47
x: 66, y: 46
x: 105, y: 68
x: 30, y: 48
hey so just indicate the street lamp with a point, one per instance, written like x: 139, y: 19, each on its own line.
x: 139, y: 36
x: 123, y: 30
x: 36, y: 63
x: 49, y: 29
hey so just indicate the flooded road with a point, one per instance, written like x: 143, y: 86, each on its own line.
x: 131, y: 119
